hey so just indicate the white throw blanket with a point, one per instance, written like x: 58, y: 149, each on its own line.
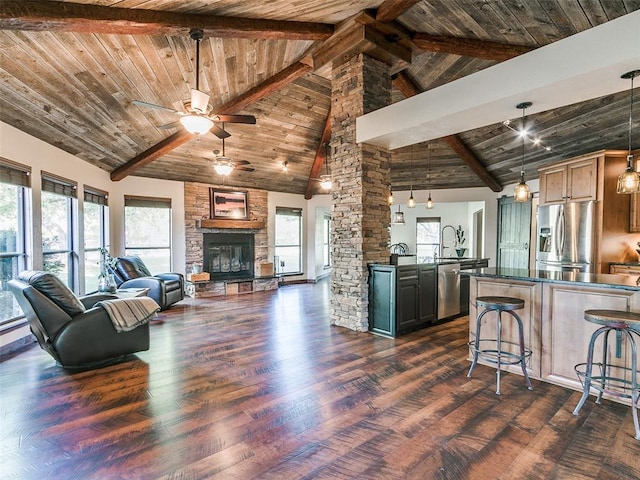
x: 127, y: 313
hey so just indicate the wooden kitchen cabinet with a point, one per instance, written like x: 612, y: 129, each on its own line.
x: 624, y: 269
x: 402, y: 298
x: 634, y: 217
x: 571, y: 181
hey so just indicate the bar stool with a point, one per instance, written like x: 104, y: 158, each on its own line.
x: 496, y: 350
x: 616, y: 383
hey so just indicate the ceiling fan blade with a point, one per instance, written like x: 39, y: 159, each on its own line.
x: 199, y: 101
x: 250, y: 119
x: 219, y: 132
x: 245, y: 169
x: 242, y: 162
x: 153, y: 105
x: 169, y: 126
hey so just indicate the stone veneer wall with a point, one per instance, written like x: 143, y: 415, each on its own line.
x: 196, y: 208
x: 361, y: 178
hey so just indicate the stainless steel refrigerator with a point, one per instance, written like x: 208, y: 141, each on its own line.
x: 566, y: 237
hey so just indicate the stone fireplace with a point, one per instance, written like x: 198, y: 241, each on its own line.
x: 231, y: 262
x: 228, y: 256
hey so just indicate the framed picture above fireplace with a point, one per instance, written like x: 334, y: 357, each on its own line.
x: 230, y: 204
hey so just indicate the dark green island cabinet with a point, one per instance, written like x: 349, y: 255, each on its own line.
x: 402, y: 298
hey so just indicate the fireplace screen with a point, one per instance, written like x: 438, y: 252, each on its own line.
x: 228, y: 256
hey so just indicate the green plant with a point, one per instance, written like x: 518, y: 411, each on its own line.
x: 460, y: 235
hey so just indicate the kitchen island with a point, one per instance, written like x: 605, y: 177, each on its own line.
x: 553, y: 316
x: 409, y: 296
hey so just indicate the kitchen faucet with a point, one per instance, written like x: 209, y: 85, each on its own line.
x: 455, y: 241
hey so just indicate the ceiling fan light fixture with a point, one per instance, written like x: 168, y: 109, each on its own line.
x: 629, y: 180
x: 285, y: 167
x: 196, y: 124
x: 223, y: 167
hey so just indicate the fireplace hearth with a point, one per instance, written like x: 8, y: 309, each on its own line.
x: 228, y: 256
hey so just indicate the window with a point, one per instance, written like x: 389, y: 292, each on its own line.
x: 147, y: 230
x: 59, y: 218
x: 427, y: 238
x: 15, y: 179
x: 288, y: 240
x: 326, y: 241
x: 96, y: 234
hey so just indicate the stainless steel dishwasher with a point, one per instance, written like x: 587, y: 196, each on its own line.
x: 448, y: 290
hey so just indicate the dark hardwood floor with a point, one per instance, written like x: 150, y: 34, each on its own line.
x: 260, y: 386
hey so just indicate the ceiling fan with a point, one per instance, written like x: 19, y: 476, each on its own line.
x: 224, y: 165
x: 197, y: 117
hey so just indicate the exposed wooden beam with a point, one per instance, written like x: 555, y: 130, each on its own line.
x: 354, y: 37
x: 403, y: 83
x: 251, y: 96
x: 270, y: 85
x: 165, y: 146
x: 392, y: 9
x: 408, y: 88
x: 319, y: 159
x: 468, y: 47
x: 42, y: 15
x: 472, y: 161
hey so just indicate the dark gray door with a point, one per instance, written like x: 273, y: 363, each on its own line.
x: 514, y: 229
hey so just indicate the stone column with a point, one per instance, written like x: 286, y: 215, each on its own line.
x: 361, y: 178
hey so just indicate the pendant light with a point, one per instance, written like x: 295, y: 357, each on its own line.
x: 629, y: 181
x: 398, y: 217
x: 522, y: 193
x: 411, y: 203
x: 429, y: 201
x: 325, y: 180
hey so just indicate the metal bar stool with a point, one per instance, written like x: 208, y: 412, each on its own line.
x: 496, y: 349
x: 616, y: 383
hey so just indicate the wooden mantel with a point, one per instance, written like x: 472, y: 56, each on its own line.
x: 245, y: 224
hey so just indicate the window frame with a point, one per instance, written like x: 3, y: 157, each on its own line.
x: 422, y: 220
x: 17, y: 176
x: 56, y: 185
x: 326, y: 241
x: 290, y: 212
x: 132, y: 201
x: 95, y: 196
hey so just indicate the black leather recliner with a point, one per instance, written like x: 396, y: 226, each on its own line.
x: 165, y: 288
x: 71, y: 329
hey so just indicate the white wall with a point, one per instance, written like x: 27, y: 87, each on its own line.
x: 455, y: 206
x: 312, y: 211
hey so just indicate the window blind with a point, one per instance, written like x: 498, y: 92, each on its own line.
x: 292, y: 212
x: 62, y: 186
x: 147, y: 202
x: 14, y: 173
x: 94, y: 195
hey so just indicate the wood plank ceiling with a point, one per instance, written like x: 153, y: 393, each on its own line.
x: 71, y: 82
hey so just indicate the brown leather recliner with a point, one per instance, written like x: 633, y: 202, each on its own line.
x: 72, y: 330
x: 165, y: 288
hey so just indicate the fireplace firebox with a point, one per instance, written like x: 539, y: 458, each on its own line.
x: 228, y: 256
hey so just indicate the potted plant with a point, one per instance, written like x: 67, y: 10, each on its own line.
x: 460, y: 239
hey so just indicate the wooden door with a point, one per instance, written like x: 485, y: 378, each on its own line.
x: 514, y: 228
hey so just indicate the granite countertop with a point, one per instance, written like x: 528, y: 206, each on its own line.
x: 626, y: 264
x: 624, y: 282
x: 404, y: 260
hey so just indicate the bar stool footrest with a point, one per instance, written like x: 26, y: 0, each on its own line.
x: 614, y: 386
x: 489, y: 352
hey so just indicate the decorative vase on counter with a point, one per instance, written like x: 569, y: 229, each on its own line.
x: 460, y: 252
